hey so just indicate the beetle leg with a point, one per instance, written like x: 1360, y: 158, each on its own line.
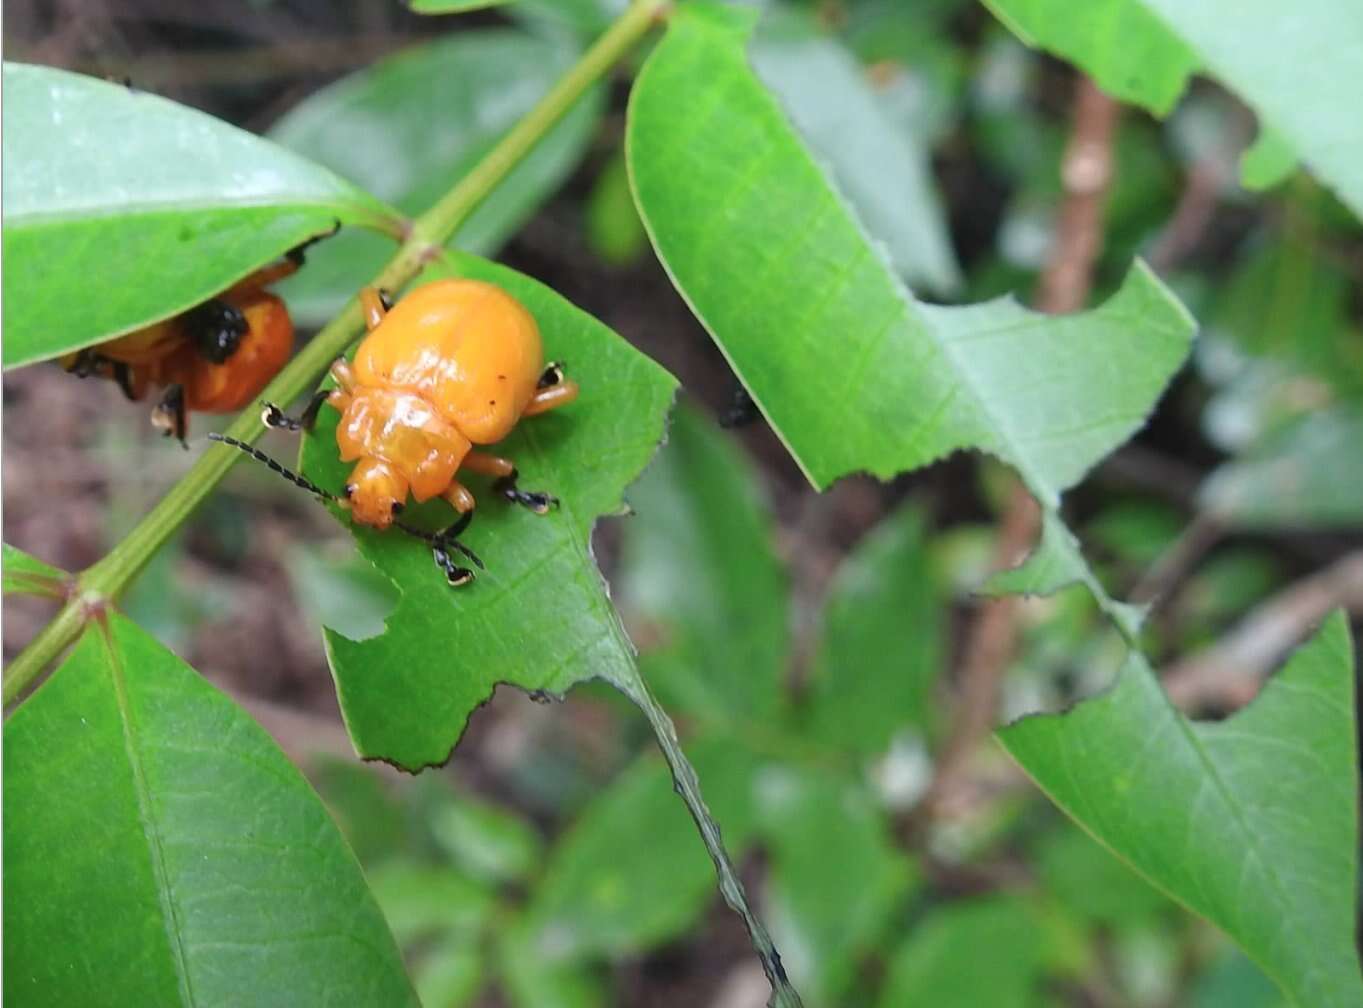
x: 443, y: 542
x: 374, y: 304
x: 123, y: 376
x: 552, y: 397
x: 505, y: 471
x: 274, y: 417
x: 169, y: 415
x: 343, y: 374
x: 459, y: 497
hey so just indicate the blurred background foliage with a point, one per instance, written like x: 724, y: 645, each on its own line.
x: 806, y: 643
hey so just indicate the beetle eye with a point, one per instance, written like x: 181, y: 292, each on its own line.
x: 349, y: 490
x: 397, y: 508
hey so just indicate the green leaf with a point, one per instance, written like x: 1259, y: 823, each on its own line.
x: 410, y: 126
x: 852, y: 372
x: 1144, y: 50
x: 22, y: 574
x: 538, y: 617
x: 974, y: 952
x: 700, y: 575
x: 1122, y: 44
x: 877, y: 164
x: 451, y: 6
x: 160, y: 850
x: 122, y: 208
x: 629, y: 874
x: 1251, y: 822
x: 1308, y: 476
x: 836, y: 876
x: 881, y: 649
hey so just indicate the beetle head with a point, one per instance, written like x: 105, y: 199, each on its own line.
x: 376, y: 492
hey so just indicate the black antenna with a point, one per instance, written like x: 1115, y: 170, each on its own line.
x: 439, y: 541
x: 287, y: 473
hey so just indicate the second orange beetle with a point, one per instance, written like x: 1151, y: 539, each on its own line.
x: 454, y: 364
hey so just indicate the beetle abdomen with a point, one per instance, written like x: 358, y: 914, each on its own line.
x: 466, y: 347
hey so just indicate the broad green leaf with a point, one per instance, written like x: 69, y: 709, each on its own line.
x: 971, y: 953
x: 160, y: 850
x: 852, y: 372
x: 881, y: 649
x: 836, y: 876
x: 876, y: 163
x: 699, y: 575
x: 122, y: 208
x: 1144, y: 50
x: 411, y: 126
x: 1251, y: 822
x: 538, y: 616
x: 1121, y: 43
x: 629, y: 874
x: 22, y: 574
x: 451, y: 6
x: 1308, y: 476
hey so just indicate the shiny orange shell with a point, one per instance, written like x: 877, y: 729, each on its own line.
x: 233, y: 384
x: 467, y: 348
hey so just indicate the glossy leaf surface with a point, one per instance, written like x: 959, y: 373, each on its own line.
x: 850, y: 369
x: 412, y: 125
x: 122, y: 208
x: 538, y: 617
x: 1251, y: 822
x: 161, y: 850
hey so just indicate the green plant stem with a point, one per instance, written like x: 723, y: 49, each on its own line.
x: 783, y: 994
x: 102, y: 583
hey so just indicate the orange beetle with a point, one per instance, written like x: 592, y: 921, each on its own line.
x: 213, y: 358
x: 454, y: 364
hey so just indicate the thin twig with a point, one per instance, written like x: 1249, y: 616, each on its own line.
x: 1086, y: 174
x: 1228, y: 674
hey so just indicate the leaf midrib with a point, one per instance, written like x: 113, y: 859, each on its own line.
x: 146, y: 817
